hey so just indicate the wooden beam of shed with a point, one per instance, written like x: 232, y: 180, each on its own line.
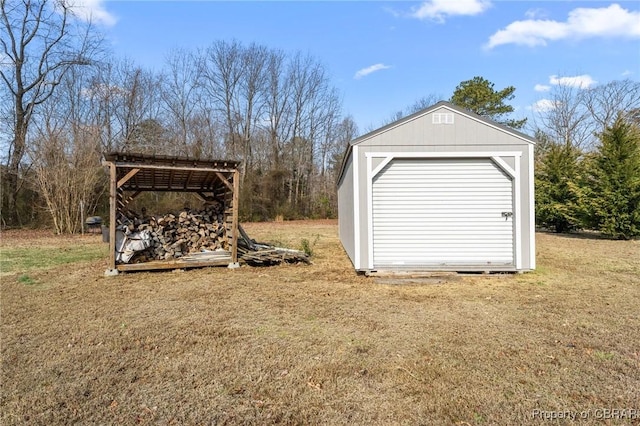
x: 224, y: 180
x: 129, y: 199
x: 188, y: 179
x: 234, y: 218
x: 112, y: 216
x: 171, y: 172
x: 204, y: 197
x: 128, y: 176
x: 173, y: 264
x: 210, y: 182
x: 177, y: 168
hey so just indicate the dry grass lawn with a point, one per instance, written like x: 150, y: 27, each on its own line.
x: 317, y: 344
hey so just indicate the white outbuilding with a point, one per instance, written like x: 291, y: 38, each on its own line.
x: 443, y: 189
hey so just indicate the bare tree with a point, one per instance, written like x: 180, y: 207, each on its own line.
x: 420, y: 104
x: 180, y: 97
x: 574, y: 116
x: 278, y: 105
x: 329, y: 134
x: 65, y: 156
x: 424, y: 102
x: 138, y: 104
x: 41, y: 42
x: 101, y: 94
x: 566, y: 120
x: 208, y: 134
x: 221, y: 71
x: 305, y: 79
x: 314, y: 106
x: 339, y: 133
x: 604, y: 102
x: 252, y: 91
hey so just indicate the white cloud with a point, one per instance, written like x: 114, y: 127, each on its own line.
x: 438, y: 10
x: 543, y: 105
x: 373, y: 68
x: 583, y: 81
x: 626, y: 73
x: 94, y: 11
x: 541, y: 88
x: 612, y: 21
x: 535, y: 13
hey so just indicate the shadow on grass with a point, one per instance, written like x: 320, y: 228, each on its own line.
x: 582, y: 235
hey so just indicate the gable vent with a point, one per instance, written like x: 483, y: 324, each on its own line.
x: 442, y: 118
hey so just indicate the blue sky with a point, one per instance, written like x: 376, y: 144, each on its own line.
x: 384, y: 55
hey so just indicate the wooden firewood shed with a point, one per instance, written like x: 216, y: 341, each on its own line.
x: 132, y: 174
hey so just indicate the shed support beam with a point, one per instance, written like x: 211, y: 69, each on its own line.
x: 112, y: 215
x: 225, y: 181
x: 123, y: 203
x: 208, y: 198
x: 128, y: 176
x: 234, y: 221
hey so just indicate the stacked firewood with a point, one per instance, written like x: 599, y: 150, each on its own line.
x: 176, y: 235
x: 198, y: 235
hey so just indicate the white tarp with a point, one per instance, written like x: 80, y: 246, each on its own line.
x: 129, y: 243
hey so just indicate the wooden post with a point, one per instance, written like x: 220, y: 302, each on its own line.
x: 112, y: 215
x: 234, y: 221
x: 82, y: 217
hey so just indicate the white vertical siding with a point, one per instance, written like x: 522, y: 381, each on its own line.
x: 346, y: 209
x: 443, y: 212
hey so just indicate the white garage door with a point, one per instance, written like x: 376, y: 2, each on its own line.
x: 442, y: 213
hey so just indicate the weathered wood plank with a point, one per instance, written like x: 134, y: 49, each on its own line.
x: 174, y: 264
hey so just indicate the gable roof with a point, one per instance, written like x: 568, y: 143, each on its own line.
x: 442, y: 104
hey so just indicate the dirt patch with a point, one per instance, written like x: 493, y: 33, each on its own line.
x: 319, y: 344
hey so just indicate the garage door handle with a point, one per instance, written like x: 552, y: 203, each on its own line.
x: 507, y: 215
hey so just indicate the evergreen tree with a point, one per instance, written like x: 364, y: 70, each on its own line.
x: 479, y: 96
x: 613, y: 181
x: 558, y: 191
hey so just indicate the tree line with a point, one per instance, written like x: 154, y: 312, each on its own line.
x: 65, y: 102
x: 588, y: 160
